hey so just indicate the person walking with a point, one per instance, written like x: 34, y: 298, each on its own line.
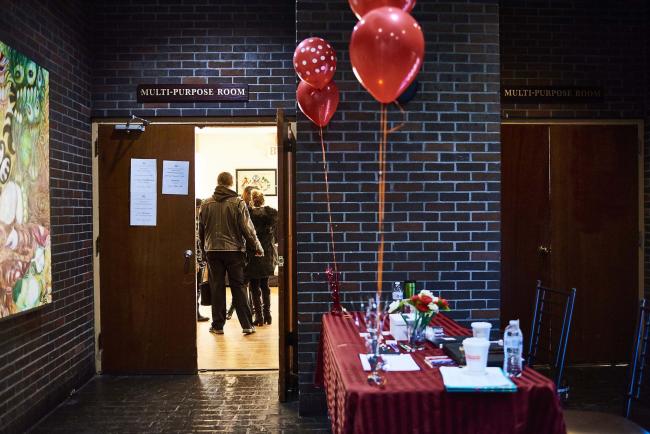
x: 225, y: 228
x: 200, y: 262
x: 265, y: 220
x: 246, y: 197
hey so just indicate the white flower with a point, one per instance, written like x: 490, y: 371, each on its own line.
x: 435, y: 299
x: 426, y: 292
x: 433, y: 307
x: 394, y: 306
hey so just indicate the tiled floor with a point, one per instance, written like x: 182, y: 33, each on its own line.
x: 244, y: 403
x: 213, y: 402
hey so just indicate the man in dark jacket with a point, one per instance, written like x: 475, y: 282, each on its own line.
x: 224, y: 229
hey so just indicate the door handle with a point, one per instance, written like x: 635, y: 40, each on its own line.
x: 544, y: 250
x: 187, y: 255
x: 280, y: 261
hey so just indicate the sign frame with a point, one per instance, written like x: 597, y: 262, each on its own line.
x: 216, y: 92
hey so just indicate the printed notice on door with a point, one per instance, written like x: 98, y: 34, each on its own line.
x: 143, y: 192
x: 175, y: 177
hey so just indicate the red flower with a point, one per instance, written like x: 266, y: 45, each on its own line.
x: 414, y: 298
x: 426, y: 299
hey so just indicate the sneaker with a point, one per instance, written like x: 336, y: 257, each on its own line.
x: 216, y: 331
x: 248, y: 331
x: 202, y: 318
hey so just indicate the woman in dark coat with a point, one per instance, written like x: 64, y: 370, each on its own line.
x: 265, y: 220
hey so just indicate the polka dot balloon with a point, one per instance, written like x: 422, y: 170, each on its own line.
x: 315, y: 62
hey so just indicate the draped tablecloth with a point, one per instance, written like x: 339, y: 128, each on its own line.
x: 416, y: 402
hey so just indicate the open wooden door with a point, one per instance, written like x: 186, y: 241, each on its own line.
x: 288, y: 367
x: 147, y: 273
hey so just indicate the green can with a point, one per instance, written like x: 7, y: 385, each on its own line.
x: 409, y: 288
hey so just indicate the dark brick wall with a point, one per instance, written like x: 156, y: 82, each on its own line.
x: 580, y: 42
x: 46, y: 353
x: 576, y: 42
x: 193, y: 41
x: 442, y: 210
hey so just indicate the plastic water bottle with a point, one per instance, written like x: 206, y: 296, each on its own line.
x: 513, y: 343
x: 397, y: 291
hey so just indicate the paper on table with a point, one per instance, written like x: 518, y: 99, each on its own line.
x: 396, y: 362
x: 456, y: 379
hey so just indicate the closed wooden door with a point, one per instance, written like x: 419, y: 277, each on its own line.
x: 595, y: 235
x: 147, y: 273
x: 525, y: 218
x: 570, y: 218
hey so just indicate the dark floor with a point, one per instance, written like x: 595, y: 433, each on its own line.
x: 208, y: 402
x: 244, y: 403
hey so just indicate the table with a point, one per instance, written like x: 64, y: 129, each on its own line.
x: 416, y: 402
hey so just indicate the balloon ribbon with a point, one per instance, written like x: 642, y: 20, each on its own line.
x: 332, y: 274
x: 382, y: 197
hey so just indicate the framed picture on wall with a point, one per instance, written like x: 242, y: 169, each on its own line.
x: 25, y: 250
x: 262, y: 179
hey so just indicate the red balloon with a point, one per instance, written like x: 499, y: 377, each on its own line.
x: 362, y: 7
x: 318, y: 105
x: 386, y: 51
x: 315, y: 62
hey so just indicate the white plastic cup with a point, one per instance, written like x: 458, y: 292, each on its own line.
x: 481, y: 330
x: 476, y: 355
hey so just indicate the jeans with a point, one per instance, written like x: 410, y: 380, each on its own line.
x: 220, y: 263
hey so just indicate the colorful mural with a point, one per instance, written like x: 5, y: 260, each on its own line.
x: 25, y: 252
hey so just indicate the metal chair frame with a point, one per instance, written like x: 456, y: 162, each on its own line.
x: 639, y: 356
x: 541, y: 301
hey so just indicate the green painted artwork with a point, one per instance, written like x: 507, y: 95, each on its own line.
x: 25, y: 252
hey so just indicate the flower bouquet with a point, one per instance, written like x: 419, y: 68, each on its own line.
x: 424, y: 307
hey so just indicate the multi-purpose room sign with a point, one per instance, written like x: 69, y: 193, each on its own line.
x: 550, y: 94
x: 192, y: 92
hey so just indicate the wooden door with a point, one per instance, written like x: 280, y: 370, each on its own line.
x: 288, y: 351
x: 147, y: 282
x: 595, y: 235
x: 525, y: 219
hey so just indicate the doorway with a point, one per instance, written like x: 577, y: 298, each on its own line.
x: 246, y: 152
x: 145, y: 279
x: 571, y: 217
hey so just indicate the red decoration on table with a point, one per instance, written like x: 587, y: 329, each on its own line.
x: 315, y: 62
x: 333, y: 280
x: 362, y: 7
x: 318, y: 105
x: 386, y: 51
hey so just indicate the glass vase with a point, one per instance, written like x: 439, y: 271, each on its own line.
x: 417, y: 329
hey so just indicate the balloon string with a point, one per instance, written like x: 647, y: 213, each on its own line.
x: 327, y: 193
x: 382, y: 195
x: 401, y: 125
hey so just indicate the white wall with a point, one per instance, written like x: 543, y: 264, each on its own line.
x: 226, y: 149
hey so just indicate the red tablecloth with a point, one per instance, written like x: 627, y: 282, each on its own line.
x: 416, y: 402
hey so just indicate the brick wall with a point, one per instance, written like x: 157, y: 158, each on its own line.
x: 581, y: 42
x: 46, y: 353
x: 193, y: 41
x: 646, y: 165
x: 577, y: 42
x: 442, y: 211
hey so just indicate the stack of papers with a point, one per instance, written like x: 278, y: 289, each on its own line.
x: 457, y: 379
x: 395, y: 362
